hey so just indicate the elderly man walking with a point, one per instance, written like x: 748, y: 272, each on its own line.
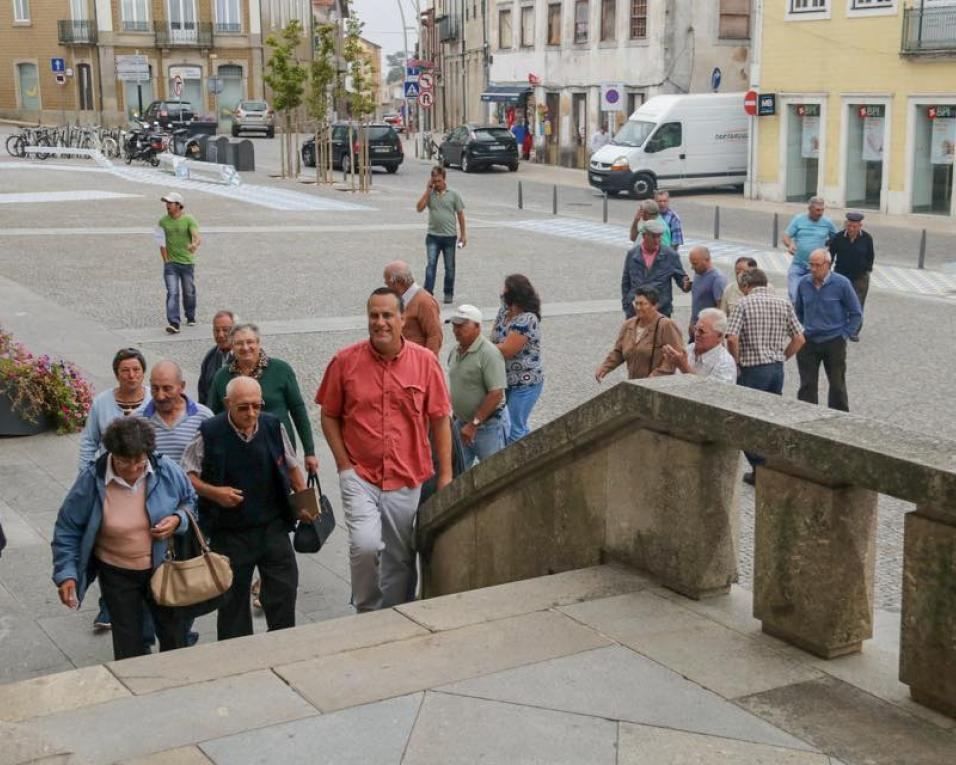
x: 706, y: 356
x: 652, y: 264
x: 853, y: 256
x: 708, y: 286
x: 762, y: 334
x: 422, y: 312
x: 477, y: 380
x: 649, y: 211
x: 242, y: 465
x: 732, y: 294
x: 671, y: 219
x: 218, y: 356
x: 180, y: 241
x: 807, y: 232
x: 830, y: 312
x: 379, y: 398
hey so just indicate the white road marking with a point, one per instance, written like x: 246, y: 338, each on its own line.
x: 79, y: 195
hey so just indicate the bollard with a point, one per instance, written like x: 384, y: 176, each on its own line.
x: 717, y: 222
x: 554, y: 201
x: 776, y: 229
x: 922, y: 250
x: 520, y: 197
x: 605, y: 207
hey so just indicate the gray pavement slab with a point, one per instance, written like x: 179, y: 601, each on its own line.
x: 371, y: 733
x: 455, y: 729
x: 182, y: 755
x: 59, y: 692
x: 618, y: 684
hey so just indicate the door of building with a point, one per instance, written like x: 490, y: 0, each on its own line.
x: 934, y: 151
x: 864, y: 155
x: 84, y: 83
x: 804, y: 138
x: 579, y: 126
x: 230, y: 77
x: 552, y: 122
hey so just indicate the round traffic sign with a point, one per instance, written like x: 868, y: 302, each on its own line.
x: 426, y: 81
x: 178, y: 85
x: 612, y: 96
x: 750, y: 102
x: 426, y: 99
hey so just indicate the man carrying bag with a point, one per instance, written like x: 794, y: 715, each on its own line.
x: 310, y: 535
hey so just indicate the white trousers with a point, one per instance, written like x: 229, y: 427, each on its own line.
x: 381, y: 528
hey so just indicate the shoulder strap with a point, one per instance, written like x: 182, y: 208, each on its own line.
x: 650, y: 363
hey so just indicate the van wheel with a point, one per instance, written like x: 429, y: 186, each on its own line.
x: 643, y: 187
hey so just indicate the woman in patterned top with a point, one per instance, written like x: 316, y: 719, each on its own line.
x: 517, y: 334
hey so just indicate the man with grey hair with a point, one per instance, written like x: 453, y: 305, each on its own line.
x: 671, y: 218
x: 217, y: 356
x: 647, y: 211
x: 807, y: 232
x: 422, y: 312
x: 707, y: 355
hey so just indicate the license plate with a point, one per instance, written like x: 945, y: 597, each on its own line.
x: 495, y: 147
x: 380, y: 148
x: 596, y: 178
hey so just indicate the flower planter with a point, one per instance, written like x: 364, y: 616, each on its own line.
x: 12, y: 424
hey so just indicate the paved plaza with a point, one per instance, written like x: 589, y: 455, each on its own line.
x: 81, y: 277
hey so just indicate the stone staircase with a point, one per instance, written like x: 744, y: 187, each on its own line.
x: 596, y: 665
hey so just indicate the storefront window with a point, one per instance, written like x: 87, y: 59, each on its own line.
x: 934, y: 148
x: 864, y: 155
x: 803, y: 151
x: 131, y: 95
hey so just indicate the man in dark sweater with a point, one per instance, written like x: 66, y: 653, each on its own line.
x: 852, y: 251
x: 242, y: 466
x: 218, y: 355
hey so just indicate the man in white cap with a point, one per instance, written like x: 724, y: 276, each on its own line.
x: 477, y: 381
x: 179, y: 242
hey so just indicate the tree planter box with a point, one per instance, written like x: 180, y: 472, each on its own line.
x: 12, y: 424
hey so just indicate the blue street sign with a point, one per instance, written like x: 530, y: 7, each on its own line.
x: 715, y: 79
x: 57, y: 65
x: 412, y: 72
x: 411, y: 89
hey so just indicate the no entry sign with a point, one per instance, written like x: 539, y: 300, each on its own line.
x: 750, y: 102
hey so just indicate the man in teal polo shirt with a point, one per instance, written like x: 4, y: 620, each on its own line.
x: 807, y: 232
x: 477, y: 381
x: 179, y: 239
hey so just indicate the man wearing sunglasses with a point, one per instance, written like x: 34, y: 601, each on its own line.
x: 242, y: 465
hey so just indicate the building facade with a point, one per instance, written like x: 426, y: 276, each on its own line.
x: 865, y: 104
x: 214, y: 46
x: 549, y: 59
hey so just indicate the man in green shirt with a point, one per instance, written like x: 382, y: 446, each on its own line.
x: 178, y: 238
x: 445, y: 210
x: 477, y: 382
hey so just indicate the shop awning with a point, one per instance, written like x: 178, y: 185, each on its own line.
x: 509, y: 94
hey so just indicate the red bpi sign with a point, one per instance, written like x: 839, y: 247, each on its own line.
x: 750, y: 102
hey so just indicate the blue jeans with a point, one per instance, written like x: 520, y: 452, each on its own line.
x: 446, y: 246
x: 520, y: 401
x: 794, y: 274
x: 765, y: 377
x: 490, y: 437
x: 176, y: 274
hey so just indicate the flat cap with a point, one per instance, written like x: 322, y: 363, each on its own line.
x: 653, y: 227
x: 854, y: 216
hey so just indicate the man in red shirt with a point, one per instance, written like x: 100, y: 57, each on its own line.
x: 379, y: 397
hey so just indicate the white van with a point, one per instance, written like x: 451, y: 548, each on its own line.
x: 675, y: 142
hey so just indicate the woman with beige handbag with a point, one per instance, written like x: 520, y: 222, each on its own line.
x: 114, y: 525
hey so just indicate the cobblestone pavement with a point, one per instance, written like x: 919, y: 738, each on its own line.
x: 80, y: 277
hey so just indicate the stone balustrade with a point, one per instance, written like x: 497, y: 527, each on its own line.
x: 648, y: 473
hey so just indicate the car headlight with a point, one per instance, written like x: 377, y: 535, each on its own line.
x: 621, y: 163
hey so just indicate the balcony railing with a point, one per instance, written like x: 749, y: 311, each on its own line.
x: 135, y: 26
x: 228, y: 27
x: 187, y: 34
x: 71, y: 32
x: 447, y: 28
x: 929, y: 30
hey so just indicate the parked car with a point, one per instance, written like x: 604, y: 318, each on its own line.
x: 395, y: 120
x: 677, y: 141
x: 473, y: 147
x: 385, y: 147
x: 169, y: 114
x: 253, y: 115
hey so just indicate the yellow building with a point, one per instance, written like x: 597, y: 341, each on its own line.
x: 865, y: 103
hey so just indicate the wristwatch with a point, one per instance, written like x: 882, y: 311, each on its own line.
x: 476, y: 422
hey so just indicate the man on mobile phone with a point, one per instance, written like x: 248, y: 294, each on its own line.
x: 446, y: 229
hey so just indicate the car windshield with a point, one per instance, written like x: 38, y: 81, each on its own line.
x: 255, y: 106
x: 490, y: 135
x: 633, y: 133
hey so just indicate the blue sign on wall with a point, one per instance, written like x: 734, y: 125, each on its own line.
x: 58, y: 65
x: 715, y: 79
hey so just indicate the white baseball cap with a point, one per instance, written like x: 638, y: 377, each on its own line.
x: 173, y: 196
x: 464, y: 313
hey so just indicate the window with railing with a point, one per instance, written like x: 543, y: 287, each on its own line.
x: 608, y: 20
x: 505, y: 37
x: 135, y: 15
x: 582, y: 12
x: 734, y: 22
x: 865, y: 5
x: 554, y: 23
x: 228, y: 16
x: 21, y: 11
x: 930, y: 28
x: 638, y: 19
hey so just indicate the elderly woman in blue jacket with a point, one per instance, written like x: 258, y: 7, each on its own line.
x: 113, y: 525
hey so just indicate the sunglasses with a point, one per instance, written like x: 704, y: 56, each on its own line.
x: 254, y: 407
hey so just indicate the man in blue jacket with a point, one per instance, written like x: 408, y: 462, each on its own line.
x: 829, y: 310
x: 652, y: 264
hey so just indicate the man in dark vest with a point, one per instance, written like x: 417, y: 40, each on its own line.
x: 242, y: 466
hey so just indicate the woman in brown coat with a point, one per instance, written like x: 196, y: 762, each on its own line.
x: 641, y: 340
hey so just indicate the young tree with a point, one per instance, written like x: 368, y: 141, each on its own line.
x: 286, y: 76
x: 321, y: 79
x: 395, y: 63
x: 361, y: 102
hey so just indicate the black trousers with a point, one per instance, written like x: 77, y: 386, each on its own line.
x: 128, y: 598
x: 270, y: 549
x: 832, y: 354
x: 861, y: 286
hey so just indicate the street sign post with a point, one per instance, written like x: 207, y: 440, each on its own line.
x: 612, y: 97
x: 58, y: 65
x: 178, y: 86
x: 750, y: 102
x: 412, y: 72
x: 426, y: 99
x: 411, y: 89
x: 134, y: 68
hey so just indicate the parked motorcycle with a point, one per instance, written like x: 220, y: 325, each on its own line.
x: 144, y: 142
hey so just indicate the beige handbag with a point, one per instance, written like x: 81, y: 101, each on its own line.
x: 194, y: 580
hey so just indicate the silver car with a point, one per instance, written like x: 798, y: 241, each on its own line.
x: 253, y: 115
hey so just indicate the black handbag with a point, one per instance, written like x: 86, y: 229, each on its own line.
x: 309, y: 536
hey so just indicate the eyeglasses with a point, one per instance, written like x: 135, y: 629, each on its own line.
x: 253, y: 407
x: 130, y: 463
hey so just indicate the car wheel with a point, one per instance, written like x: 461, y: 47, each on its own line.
x: 513, y: 167
x: 392, y: 169
x: 643, y: 187
x: 346, y: 164
x: 466, y: 166
x: 307, y: 158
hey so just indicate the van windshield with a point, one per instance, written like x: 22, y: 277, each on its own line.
x: 633, y: 133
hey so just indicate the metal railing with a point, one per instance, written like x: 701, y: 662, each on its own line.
x: 135, y: 26
x: 929, y: 30
x: 71, y: 32
x: 228, y: 27
x: 189, y: 34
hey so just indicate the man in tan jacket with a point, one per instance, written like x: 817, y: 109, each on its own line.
x: 421, y: 311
